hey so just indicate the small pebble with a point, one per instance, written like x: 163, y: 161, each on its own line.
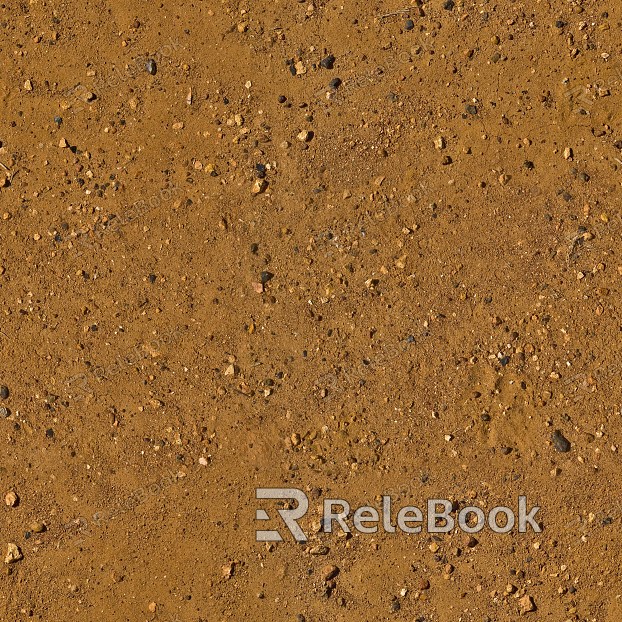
x: 304, y: 136
x: 335, y: 83
x: 561, y: 443
x: 319, y: 550
x: 266, y: 276
x: 259, y: 186
x: 11, y: 499
x: 37, y: 527
x: 329, y: 572
x: 13, y: 553
x: 151, y: 67
x: 4, y: 392
x: 526, y: 604
x: 409, y: 24
x: 470, y: 541
x: 328, y: 62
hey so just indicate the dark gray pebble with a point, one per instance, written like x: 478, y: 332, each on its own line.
x: 561, y: 443
x: 328, y: 62
x: 151, y: 67
x: 266, y: 276
x: 4, y: 392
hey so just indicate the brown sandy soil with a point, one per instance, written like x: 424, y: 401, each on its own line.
x: 438, y: 233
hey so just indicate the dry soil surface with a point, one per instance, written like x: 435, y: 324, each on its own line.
x: 357, y: 249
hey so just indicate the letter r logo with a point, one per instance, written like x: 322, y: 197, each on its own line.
x: 290, y: 517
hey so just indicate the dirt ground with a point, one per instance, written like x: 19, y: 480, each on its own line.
x: 358, y: 249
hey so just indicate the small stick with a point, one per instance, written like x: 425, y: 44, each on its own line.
x: 398, y: 12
